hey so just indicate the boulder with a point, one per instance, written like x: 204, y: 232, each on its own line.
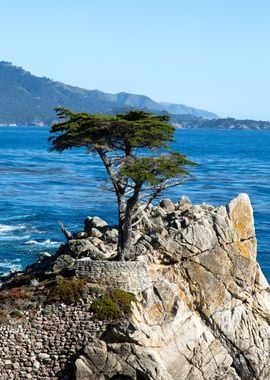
x: 94, y: 222
x: 44, y: 255
x: 94, y: 232
x: 111, y: 235
x: 184, y: 204
x: 168, y: 205
x: 62, y: 263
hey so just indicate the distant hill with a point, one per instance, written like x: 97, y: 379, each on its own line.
x: 30, y: 100
x: 227, y: 123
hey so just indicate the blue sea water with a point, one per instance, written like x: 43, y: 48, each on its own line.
x: 39, y: 188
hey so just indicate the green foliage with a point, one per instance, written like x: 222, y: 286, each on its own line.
x: 94, y: 290
x: 67, y: 290
x: 136, y: 129
x: 105, y: 309
x: 2, y: 313
x: 155, y: 170
x: 120, y: 141
x: 113, y: 305
x: 122, y: 299
x: 16, y: 314
x: 124, y: 133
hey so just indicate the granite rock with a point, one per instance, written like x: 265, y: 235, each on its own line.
x: 206, y: 313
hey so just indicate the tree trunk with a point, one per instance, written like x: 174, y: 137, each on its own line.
x: 126, y: 210
x: 125, y: 236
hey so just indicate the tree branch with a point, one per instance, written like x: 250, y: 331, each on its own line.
x: 108, y: 166
x: 66, y: 232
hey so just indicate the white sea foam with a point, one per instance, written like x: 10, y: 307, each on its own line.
x: 44, y: 243
x: 6, y: 228
x: 10, y: 232
x: 5, y: 237
x: 18, y: 217
x: 10, y: 266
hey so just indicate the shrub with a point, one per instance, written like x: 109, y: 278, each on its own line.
x: 113, y: 305
x: 123, y: 299
x: 2, y: 313
x: 67, y: 290
x: 94, y: 291
x: 16, y: 314
x: 104, y: 308
x: 15, y: 294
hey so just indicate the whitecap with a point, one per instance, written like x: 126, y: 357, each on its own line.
x: 6, y: 228
x: 18, y: 217
x: 45, y: 243
x: 10, y: 266
x: 4, y: 237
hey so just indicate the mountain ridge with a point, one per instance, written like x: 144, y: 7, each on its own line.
x: 29, y: 99
x: 26, y: 99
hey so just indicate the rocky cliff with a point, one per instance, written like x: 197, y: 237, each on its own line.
x: 205, y: 314
x: 203, y: 304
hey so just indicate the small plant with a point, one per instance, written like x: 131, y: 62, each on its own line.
x: 2, y: 313
x: 113, y: 305
x: 15, y: 294
x: 94, y: 290
x: 67, y: 290
x: 16, y: 314
x: 123, y: 299
x: 104, y: 308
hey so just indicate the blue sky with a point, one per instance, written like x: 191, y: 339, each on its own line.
x: 210, y: 54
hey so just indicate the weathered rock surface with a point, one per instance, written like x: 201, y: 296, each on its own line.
x: 206, y: 313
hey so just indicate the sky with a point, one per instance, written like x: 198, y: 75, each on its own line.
x: 208, y: 54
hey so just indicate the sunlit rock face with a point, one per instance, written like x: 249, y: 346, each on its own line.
x: 203, y: 309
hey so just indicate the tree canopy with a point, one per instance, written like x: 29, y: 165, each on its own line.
x: 126, y: 144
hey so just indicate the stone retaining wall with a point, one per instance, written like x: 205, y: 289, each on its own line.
x: 41, y: 345
x: 39, y: 348
x: 131, y: 276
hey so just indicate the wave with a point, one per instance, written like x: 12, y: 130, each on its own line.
x: 5, y: 238
x: 7, y: 266
x: 6, y: 228
x: 18, y: 217
x: 10, y: 232
x: 44, y: 243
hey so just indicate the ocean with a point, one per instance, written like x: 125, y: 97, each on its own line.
x: 38, y: 187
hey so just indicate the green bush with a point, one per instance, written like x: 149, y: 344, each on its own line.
x: 122, y: 299
x: 67, y: 290
x: 16, y: 314
x: 113, y: 305
x: 2, y: 313
x: 104, y: 308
